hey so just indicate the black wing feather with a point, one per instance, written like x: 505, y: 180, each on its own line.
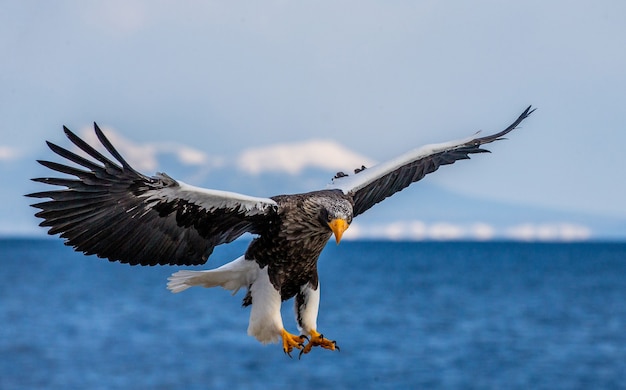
x: 389, y: 183
x: 113, y: 211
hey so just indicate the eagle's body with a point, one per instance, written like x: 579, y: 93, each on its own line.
x: 115, y: 212
x: 291, y: 246
x: 281, y: 263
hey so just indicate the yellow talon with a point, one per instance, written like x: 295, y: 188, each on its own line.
x: 318, y: 340
x: 291, y: 341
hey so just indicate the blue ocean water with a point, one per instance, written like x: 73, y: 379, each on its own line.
x: 406, y: 315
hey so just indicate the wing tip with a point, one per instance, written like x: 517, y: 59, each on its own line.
x: 98, y: 131
x: 69, y: 133
x: 529, y: 110
x: 500, y: 135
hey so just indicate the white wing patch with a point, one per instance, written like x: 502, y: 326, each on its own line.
x: 211, y: 199
x: 352, y: 183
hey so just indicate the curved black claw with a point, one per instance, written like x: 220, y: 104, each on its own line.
x: 300, y: 347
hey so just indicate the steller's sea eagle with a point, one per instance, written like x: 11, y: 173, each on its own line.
x: 111, y: 210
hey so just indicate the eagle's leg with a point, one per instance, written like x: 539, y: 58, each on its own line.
x: 307, y: 306
x: 266, y: 324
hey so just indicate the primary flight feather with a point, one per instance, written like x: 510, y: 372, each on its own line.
x: 113, y: 211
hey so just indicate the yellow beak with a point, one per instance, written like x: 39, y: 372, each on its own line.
x: 338, y: 226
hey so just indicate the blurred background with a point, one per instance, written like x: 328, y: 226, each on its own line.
x: 274, y: 97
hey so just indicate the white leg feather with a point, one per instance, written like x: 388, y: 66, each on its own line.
x: 307, y: 305
x: 266, y: 322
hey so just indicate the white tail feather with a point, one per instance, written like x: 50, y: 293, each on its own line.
x: 231, y: 276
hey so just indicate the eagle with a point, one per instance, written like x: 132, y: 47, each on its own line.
x: 109, y: 209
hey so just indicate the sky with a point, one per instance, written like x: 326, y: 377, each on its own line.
x: 212, y: 82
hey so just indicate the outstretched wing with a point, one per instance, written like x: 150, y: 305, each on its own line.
x: 372, y: 185
x: 115, y: 212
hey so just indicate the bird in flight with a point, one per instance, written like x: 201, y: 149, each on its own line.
x: 107, y: 208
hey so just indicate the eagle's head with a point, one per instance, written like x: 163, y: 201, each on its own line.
x: 336, y: 214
